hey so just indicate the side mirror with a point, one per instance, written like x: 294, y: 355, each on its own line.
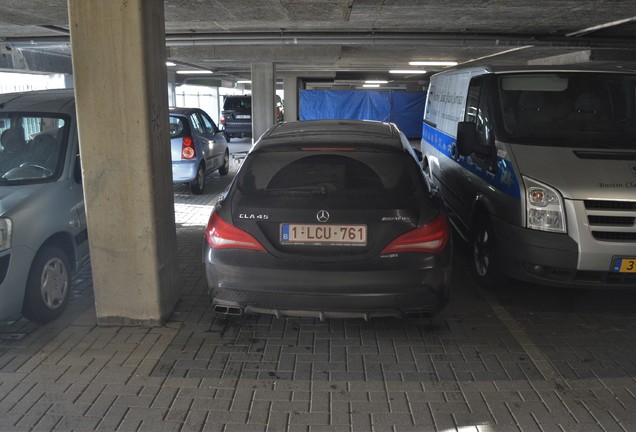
x: 467, y: 138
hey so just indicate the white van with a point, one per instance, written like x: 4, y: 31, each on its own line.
x: 537, y: 168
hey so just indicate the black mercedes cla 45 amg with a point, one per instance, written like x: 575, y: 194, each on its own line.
x: 328, y: 218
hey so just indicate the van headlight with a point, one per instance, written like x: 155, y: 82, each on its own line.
x: 6, y: 234
x: 544, y: 207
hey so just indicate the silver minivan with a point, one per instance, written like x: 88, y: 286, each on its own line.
x: 43, y: 235
x: 537, y: 168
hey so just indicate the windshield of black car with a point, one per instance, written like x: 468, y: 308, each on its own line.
x: 330, y: 173
x: 32, y: 147
x: 594, y: 110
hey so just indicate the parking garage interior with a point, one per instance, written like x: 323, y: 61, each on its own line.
x: 139, y: 347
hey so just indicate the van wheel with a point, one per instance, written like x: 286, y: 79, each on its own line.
x: 198, y: 184
x: 486, y: 267
x: 47, y: 286
x: 225, y: 168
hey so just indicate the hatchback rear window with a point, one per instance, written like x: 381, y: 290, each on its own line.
x: 355, y: 173
x: 176, y: 126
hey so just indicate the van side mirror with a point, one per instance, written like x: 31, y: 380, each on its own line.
x: 467, y: 138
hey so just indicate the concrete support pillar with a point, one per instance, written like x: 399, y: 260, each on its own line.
x: 263, y: 102
x: 290, y: 86
x: 172, y: 88
x: 118, y: 49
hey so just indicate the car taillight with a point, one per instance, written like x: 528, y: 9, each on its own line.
x: 222, y: 235
x: 431, y: 237
x: 222, y: 120
x: 187, y: 148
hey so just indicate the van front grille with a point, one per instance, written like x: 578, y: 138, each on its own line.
x: 610, y: 205
x: 612, y: 221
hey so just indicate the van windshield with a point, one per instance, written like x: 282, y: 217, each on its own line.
x: 31, y: 148
x: 576, y: 109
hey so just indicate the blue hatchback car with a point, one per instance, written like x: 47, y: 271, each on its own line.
x: 197, y: 148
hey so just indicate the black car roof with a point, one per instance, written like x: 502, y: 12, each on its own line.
x: 183, y: 110
x: 332, y: 133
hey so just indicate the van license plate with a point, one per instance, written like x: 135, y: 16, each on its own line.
x: 323, y: 235
x: 624, y: 265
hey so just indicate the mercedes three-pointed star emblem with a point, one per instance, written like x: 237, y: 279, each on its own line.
x: 322, y: 216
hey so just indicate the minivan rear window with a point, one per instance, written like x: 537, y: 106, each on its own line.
x: 303, y: 173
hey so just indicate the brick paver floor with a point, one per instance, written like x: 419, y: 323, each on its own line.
x: 525, y: 359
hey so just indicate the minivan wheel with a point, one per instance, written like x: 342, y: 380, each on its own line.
x: 485, y: 263
x: 198, y: 184
x: 48, y: 285
x: 225, y: 168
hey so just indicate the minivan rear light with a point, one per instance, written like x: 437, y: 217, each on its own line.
x: 187, y: 148
x: 222, y: 235
x: 431, y: 237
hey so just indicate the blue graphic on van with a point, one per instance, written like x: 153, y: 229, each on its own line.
x: 505, y: 179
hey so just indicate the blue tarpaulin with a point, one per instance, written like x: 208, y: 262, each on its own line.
x: 405, y: 109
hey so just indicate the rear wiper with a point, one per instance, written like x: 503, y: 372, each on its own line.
x: 304, y: 190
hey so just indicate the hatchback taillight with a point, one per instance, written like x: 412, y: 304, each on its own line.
x: 222, y: 235
x: 187, y: 148
x: 431, y: 237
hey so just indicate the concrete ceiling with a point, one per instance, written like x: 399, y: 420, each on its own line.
x: 339, y: 41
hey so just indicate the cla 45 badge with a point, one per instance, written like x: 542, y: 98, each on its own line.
x: 253, y: 216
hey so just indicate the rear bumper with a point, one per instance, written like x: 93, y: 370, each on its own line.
x: 249, y: 285
x: 184, y: 171
x: 237, y: 128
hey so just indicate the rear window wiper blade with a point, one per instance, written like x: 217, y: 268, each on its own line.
x: 305, y: 190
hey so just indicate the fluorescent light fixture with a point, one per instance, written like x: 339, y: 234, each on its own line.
x: 376, y: 82
x: 194, y: 72
x: 407, y: 71
x: 371, y: 85
x: 169, y: 63
x: 433, y: 63
x: 244, y: 82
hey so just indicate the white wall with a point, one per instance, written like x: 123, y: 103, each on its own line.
x: 16, y: 82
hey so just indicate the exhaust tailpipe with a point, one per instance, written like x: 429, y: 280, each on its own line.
x: 228, y: 310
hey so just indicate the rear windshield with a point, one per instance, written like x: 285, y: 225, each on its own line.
x: 177, y: 126
x: 569, y: 109
x: 234, y: 103
x: 354, y: 173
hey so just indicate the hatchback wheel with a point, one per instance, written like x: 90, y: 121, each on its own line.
x: 225, y: 168
x: 48, y: 285
x: 485, y: 263
x: 197, y: 186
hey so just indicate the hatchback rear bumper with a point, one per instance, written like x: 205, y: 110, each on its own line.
x: 235, y: 287
x: 184, y: 171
